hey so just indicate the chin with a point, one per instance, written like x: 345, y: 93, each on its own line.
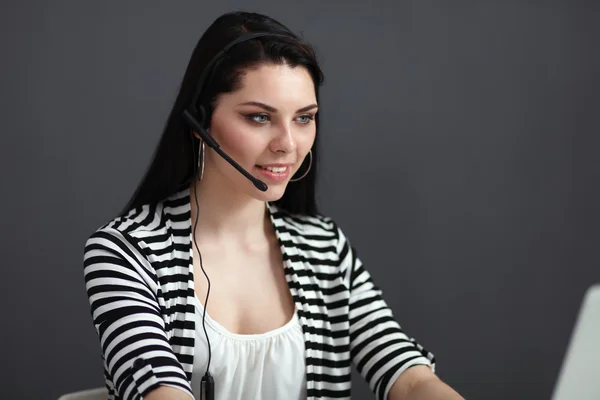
x: 273, y: 193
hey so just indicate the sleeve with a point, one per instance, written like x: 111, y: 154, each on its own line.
x: 379, y: 348
x: 121, y: 286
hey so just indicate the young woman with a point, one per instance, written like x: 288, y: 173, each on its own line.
x: 220, y: 278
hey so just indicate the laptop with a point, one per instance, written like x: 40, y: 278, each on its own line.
x: 579, y: 376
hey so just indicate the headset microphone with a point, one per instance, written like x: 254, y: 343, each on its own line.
x: 211, y: 142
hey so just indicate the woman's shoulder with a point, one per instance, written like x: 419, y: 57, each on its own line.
x: 150, y: 220
x: 318, y: 230
x: 305, y: 223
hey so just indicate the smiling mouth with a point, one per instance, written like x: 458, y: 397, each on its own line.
x: 277, y: 170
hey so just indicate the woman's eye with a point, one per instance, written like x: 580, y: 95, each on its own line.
x: 264, y: 118
x: 258, y: 118
x: 305, y: 119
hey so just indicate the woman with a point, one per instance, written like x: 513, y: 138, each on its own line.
x: 234, y: 231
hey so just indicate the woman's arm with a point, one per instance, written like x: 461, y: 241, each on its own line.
x: 395, y: 365
x: 420, y: 383
x: 168, y: 393
x: 121, y: 287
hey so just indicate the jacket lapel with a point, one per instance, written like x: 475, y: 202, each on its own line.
x: 300, y: 280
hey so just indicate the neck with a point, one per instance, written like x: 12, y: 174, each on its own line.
x: 226, y: 216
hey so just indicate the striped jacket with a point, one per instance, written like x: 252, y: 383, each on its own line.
x: 138, y: 273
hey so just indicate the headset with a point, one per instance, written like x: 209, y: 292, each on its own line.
x: 195, y: 116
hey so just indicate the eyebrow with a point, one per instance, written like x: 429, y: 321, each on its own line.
x: 273, y: 109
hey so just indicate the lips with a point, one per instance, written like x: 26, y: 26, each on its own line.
x: 274, y: 173
x: 273, y: 169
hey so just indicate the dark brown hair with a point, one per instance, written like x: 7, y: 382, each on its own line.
x: 174, y: 162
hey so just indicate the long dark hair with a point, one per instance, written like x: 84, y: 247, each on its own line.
x: 174, y: 163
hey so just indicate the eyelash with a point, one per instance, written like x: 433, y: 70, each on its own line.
x: 251, y: 117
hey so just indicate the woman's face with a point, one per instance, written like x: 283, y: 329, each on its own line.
x: 267, y: 126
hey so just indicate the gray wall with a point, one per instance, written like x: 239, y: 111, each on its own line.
x: 460, y: 144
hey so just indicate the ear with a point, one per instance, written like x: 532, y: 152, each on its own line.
x: 198, y: 136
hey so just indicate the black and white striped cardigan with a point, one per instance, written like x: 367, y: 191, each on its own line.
x: 139, y: 278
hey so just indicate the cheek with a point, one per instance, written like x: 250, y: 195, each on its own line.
x: 235, y: 137
x: 306, y: 140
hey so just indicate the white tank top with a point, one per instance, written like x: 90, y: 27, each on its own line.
x: 270, y: 365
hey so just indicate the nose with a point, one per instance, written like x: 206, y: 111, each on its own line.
x: 283, y: 141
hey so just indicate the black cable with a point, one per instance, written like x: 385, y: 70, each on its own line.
x: 207, y: 374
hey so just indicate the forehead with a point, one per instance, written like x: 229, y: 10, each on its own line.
x: 277, y: 84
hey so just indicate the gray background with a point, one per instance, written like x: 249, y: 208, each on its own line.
x: 460, y: 144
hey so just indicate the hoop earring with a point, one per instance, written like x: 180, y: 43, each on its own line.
x: 201, y: 159
x: 309, y: 166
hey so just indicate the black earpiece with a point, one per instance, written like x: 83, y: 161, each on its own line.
x: 198, y: 126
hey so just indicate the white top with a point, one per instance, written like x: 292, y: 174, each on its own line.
x: 270, y: 365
